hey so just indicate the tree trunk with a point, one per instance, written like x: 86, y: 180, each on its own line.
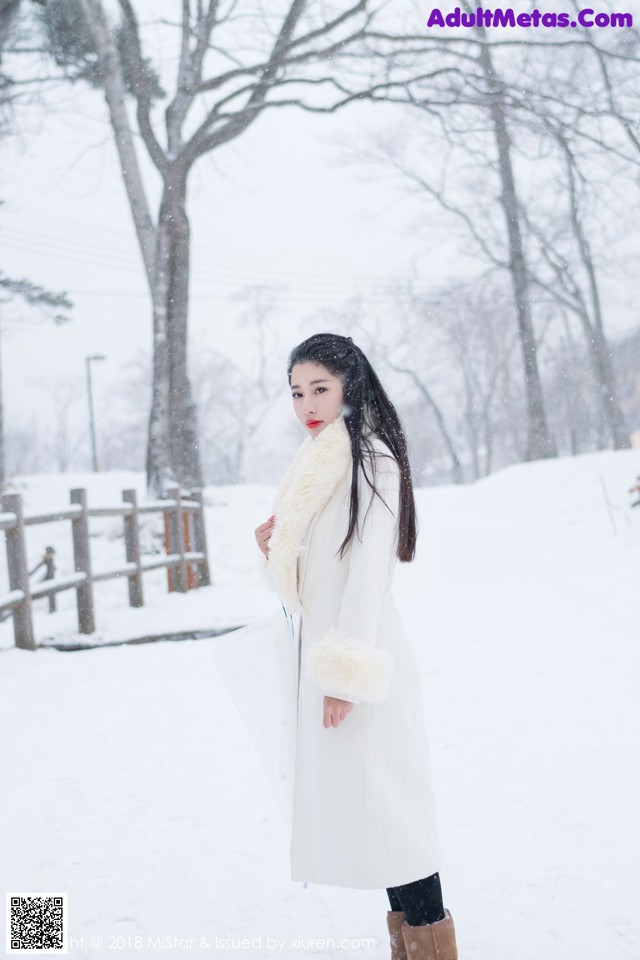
x: 456, y: 466
x: 540, y: 444
x: 595, y: 336
x: 160, y: 474
x: 173, y: 455
x: 185, y: 452
x: 3, y: 465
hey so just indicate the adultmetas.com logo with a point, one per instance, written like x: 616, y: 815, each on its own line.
x: 507, y: 17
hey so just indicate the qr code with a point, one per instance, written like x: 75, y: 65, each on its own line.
x: 37, y: 923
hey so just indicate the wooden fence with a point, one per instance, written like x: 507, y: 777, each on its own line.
x: 184, y: 528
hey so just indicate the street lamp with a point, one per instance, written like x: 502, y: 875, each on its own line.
x: 92, y: 426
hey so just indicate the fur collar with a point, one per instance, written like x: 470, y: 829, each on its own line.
x: 314, y: 473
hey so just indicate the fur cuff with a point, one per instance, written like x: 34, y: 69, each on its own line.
x: 349, y: 669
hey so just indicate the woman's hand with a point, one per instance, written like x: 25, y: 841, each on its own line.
x: 335, y: 710
x: 263, y: 534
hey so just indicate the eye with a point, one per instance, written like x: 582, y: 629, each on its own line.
x: 321, y: 388
x: 294, y: 395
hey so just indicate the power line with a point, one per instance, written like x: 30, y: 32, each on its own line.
x: 23, y: 239
x: 318, y: 287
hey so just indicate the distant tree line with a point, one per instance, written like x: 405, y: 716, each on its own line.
x: 460, y: 398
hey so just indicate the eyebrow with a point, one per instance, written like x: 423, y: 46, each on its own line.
x: 296, y: 386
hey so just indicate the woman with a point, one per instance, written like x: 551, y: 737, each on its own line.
x: 363, y: 809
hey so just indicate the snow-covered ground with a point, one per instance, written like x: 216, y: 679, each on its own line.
x: 129, y: 782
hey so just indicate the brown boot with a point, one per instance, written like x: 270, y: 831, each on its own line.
x: 394, y: 923
x: 433, y: 941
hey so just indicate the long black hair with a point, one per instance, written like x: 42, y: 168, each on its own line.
x: 366, y: 407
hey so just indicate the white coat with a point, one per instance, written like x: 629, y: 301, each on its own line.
x: 363, y: 810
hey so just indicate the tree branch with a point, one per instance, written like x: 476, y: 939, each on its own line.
x: 196, y: 145
x: 141, y: 88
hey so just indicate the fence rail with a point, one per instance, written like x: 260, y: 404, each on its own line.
x: 186, y: 557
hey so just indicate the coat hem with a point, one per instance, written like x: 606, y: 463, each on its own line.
x: 381, y: 885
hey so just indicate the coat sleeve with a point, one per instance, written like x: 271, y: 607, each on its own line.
x: 347, y: 663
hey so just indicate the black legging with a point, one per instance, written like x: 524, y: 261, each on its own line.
x: 421, y: 900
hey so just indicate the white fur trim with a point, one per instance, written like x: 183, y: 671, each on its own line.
x: 262, y: 565
x: 317, y: 468
x: 350, y: 669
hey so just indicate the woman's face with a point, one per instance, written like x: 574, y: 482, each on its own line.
x: 317, y: 395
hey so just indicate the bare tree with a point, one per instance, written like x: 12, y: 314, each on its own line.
x: 452, y: 360
x: 402, y: 347
x: 485, y: 86
x: 8, y: 13
x: 472, y: 321
x: 233, y: 402
x: 223, y: 395
x: 123, y: 430
x: 233, y: 62
x: 539, y: 440
x: 583, y: 299
x: 65, y: 393
x: 569, y: 387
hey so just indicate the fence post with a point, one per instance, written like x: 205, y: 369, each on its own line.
x: 132, y: 545
x: 50, y: 566
x: 176, y: 540
x: 19, y: 572
x: 188, y: 540
x: 200, y: 538
x: 82, y: 559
